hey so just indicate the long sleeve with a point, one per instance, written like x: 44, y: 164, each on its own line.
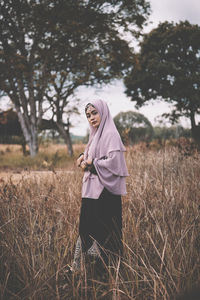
x: 109, y: 172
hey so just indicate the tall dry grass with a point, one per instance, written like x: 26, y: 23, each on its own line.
x: 39, y: 227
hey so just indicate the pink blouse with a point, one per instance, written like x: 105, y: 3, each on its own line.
x: 93, y: 184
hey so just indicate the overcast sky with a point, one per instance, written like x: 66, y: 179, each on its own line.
x: 162, y: 10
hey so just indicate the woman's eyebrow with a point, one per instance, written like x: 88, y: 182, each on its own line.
x: 94, y: 110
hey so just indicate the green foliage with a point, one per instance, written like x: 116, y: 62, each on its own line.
x: 172, y: 132
x: 168, y: 68
x: 133, y: 127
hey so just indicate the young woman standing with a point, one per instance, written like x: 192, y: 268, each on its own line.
x: 104, y: 166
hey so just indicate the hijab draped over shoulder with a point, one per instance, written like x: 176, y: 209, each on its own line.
x: 106, y: 150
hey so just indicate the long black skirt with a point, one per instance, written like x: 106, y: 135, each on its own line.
x: 101, y: 220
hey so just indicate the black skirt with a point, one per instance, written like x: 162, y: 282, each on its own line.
x: 101, y: 220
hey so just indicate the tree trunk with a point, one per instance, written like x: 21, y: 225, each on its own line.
x: 30, y: 133
x: 32, y: 141
x: 195, y: 129
x: 66, y: 136
x: 33, y: 145
x: 23, y: 143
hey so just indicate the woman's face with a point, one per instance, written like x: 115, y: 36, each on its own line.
x: 93, y: 116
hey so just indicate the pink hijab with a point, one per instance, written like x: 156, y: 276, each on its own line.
x: 105, y: 139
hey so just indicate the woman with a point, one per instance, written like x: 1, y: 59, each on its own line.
x: 103, y: 163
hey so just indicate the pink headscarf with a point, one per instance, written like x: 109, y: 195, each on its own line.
x: 105, y: 139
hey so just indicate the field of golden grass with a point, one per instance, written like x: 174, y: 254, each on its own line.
x: 50, y: 157
x: 161, y: 234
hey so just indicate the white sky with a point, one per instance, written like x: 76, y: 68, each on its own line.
x: 162, y: 10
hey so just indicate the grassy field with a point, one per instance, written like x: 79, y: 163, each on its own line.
x: 51, y: 160
x: 161, y: 236
x: 50, y: 156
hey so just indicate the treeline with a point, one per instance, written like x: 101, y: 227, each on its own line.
x: 173, y: 132
x: 133, y: 127
x: 159, y: 133
x: 139, y: 135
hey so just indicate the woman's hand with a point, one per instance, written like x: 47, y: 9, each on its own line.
x: 83, y: 165
x: 89, y: 161
x: 79, y: 160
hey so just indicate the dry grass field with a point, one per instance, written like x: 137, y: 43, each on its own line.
x: 161, y: 231
x: 50, y: 156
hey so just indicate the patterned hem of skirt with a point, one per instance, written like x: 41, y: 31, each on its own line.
x: 79, y: 256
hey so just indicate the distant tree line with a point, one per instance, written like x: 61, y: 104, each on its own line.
x: 133, y: 127
x: 172, y: 132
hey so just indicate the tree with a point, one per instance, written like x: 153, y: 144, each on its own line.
x: 133, y: 127
x: 50, y: 48
x: 97, y: 52
x: 23, y: 77
x: 168, y: 67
